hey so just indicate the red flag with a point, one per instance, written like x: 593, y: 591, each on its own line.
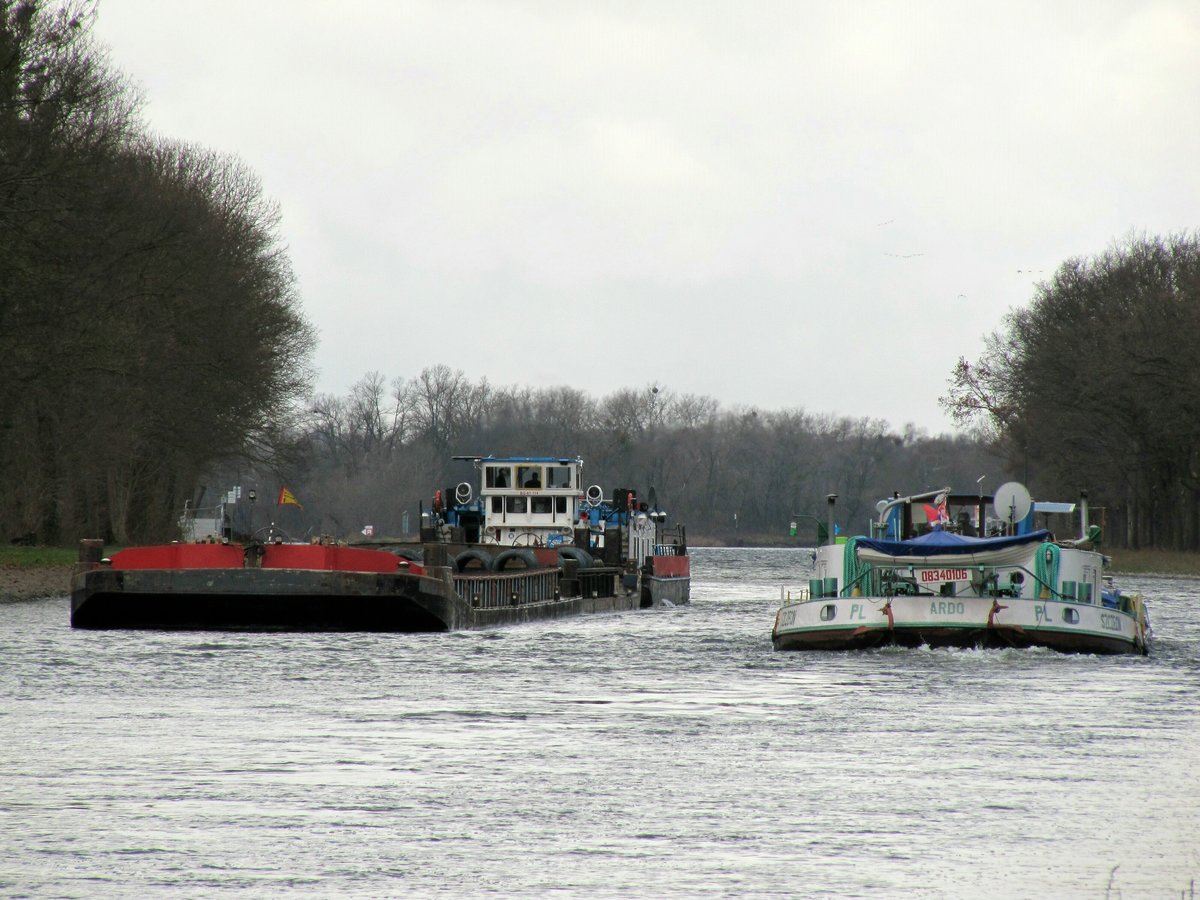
x: 287, y: 498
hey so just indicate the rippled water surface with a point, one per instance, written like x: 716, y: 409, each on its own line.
x: 667, y: 753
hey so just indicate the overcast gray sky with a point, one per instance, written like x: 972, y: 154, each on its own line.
x: 795, y: 204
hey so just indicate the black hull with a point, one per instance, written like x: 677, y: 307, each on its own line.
x: 261, y: 600
x: 305, y: 600
x: 997, y: 637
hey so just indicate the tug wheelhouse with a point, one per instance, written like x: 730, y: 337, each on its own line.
x: 526, y: 500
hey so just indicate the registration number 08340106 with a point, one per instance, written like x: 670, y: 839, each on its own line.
x: 930, y: 575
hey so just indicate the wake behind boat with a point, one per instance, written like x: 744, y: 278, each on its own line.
x: 925, y: 576
x: 533, y: 545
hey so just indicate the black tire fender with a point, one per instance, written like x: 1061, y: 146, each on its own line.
x: 465, y: 558
x: 580, y: 556
x: 527, y: 556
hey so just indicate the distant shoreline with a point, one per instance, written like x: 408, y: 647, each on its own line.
x: 35, y: 582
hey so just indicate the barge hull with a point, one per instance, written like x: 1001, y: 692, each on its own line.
x: 304, y: 600
x: 552, y: 609
x: 263, y: 600
x: 996, y: 637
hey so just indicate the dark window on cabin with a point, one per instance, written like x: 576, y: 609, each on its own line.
x: 515, y: 504
x: 497, y: 477
x: 497, y: 504
x: 540, y: 505
x: 558, y: 476
x: 529, y: 477
x: 560, y: 505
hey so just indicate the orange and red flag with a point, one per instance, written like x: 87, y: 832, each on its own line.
x: 287, y: 498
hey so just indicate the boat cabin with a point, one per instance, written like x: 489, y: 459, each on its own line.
x: 522, y: 501
x: 952, y: 544
x: 531, y: 496
x: 972, y: 515
x: 541, y: 501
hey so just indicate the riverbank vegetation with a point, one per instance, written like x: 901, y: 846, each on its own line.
x: 36, y: 557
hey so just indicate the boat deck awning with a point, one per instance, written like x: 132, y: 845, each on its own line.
x: 944, y: 547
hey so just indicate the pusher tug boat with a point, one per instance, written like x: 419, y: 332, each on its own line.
x: 533, y: 545
x: 924, y: 577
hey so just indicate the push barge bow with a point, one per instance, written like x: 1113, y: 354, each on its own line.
x: 521, y: 551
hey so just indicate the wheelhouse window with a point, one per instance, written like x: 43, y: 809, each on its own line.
x: 529, y: 477
x: 558, y: 477
x: 497, y: 476
x: 515, y: 504
x: 541, y: 505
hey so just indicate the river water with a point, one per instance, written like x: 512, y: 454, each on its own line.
x: 664, y: 753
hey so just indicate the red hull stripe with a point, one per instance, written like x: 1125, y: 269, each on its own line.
x: 180, y: 556
x: 275, y: 556
x: 335, y: 559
